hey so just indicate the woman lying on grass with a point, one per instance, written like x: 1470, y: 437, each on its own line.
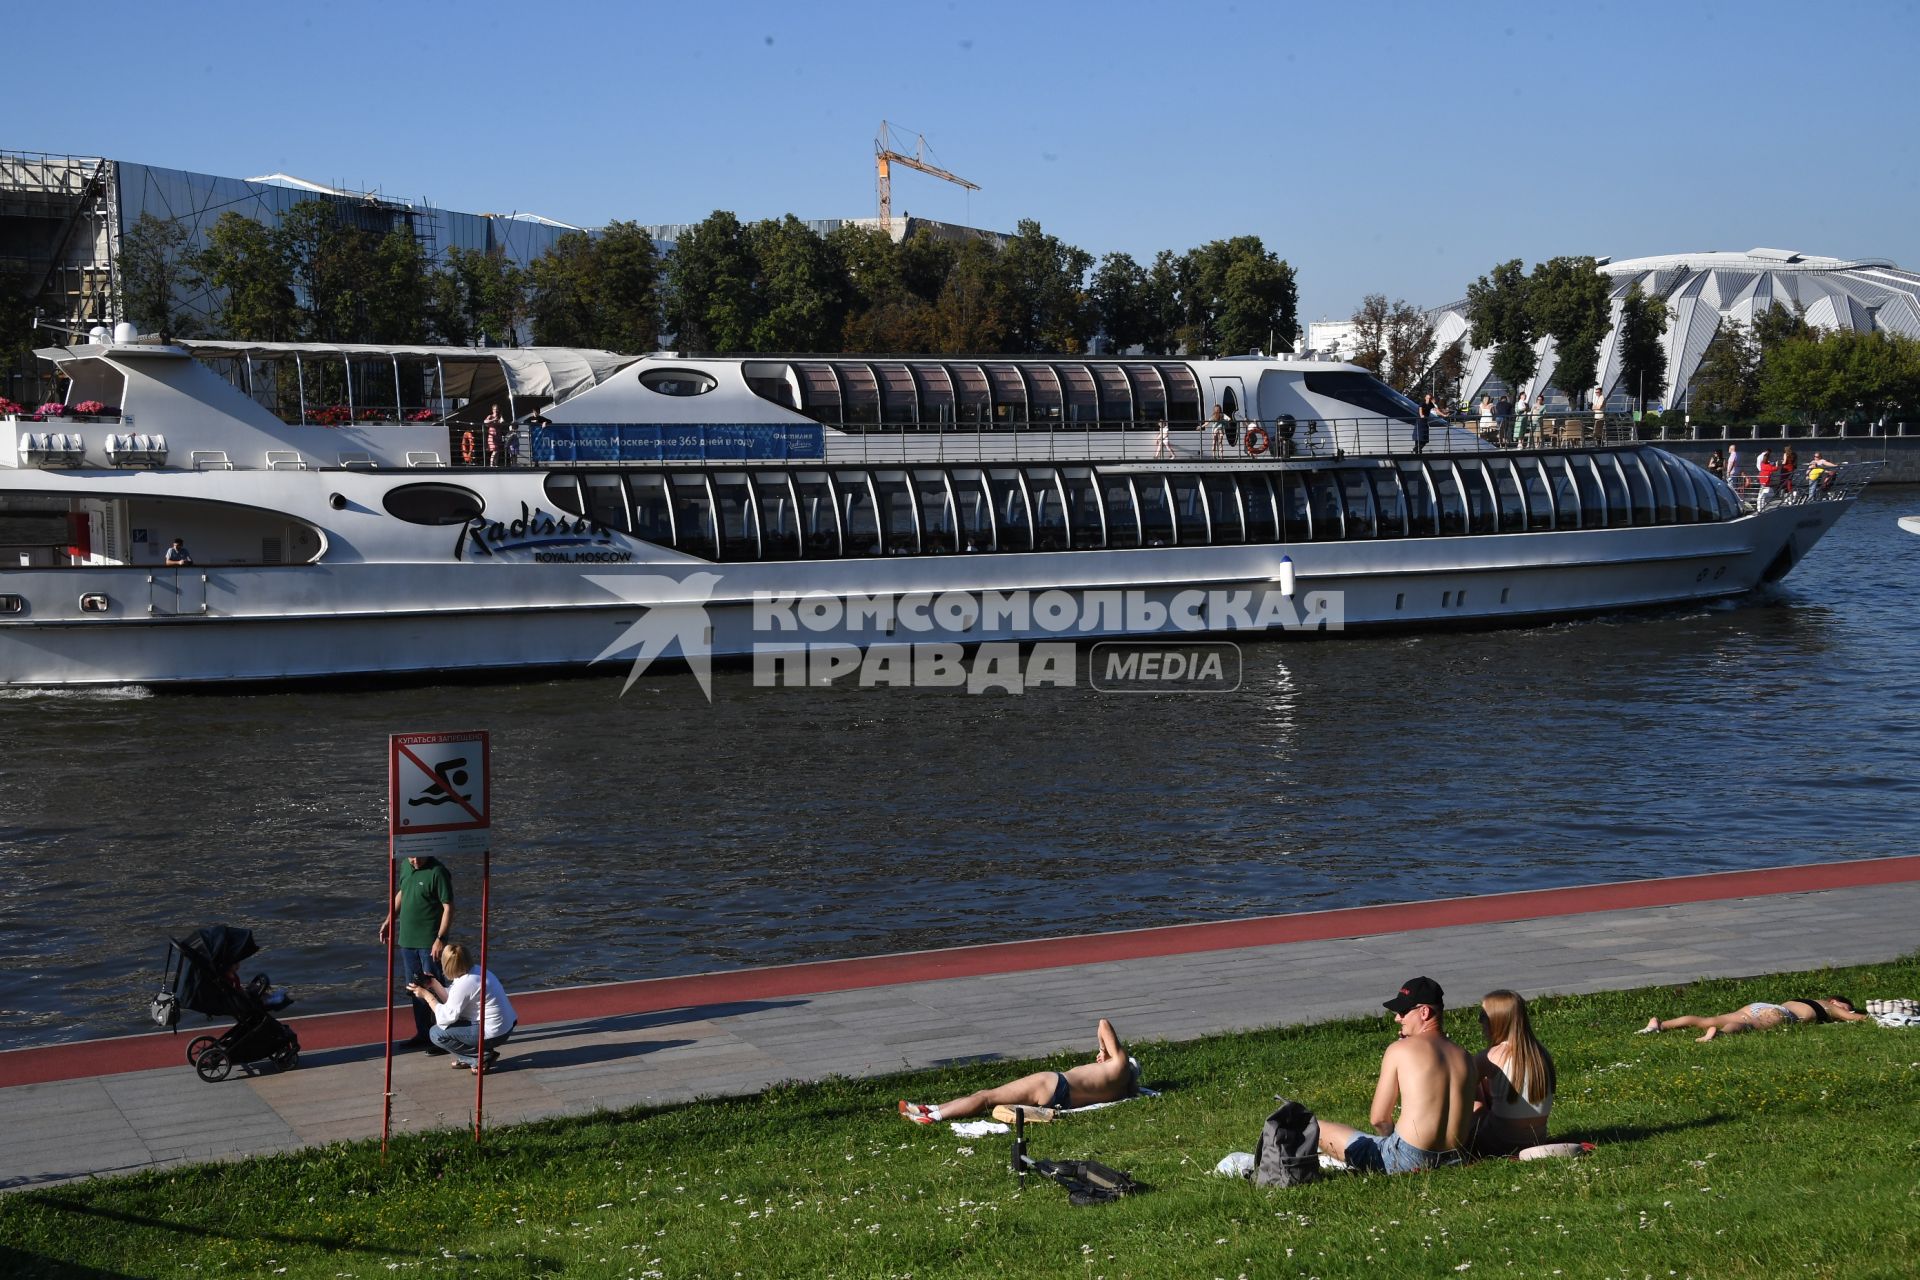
x: 1760, y: 1016
x: 1111, y: 1075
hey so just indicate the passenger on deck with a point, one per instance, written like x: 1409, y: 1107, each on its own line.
x: 1428, y: 1078
x: 1769, y: 476
x: 1217, y: 432
x: 1162, y: 445
x: 1761, y: 1016
x: 1111, y: 1075
x: 496, y: 438
x: 177, y: 557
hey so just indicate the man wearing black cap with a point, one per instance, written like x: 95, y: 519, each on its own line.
x: 1429, y: 1078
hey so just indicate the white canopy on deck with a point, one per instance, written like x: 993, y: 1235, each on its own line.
x: 552, y: 374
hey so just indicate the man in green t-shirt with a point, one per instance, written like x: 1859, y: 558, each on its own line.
x: 424, y: 904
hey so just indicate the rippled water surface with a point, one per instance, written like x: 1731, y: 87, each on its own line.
x: 656, y: 834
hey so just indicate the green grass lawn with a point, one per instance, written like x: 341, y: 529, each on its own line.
x: 1792, y: 1152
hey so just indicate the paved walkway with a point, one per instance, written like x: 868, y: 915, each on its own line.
x: 113, y: 1106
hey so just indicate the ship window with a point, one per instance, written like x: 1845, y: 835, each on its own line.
x: 1482, y: 515
x: 937, y: 525
x: 1223, y: 505
x: 819, y: 392
x: 1419, y: 490
x: 434, y: 503
x: 1044, y: 412
x: 1388, y: 505
x: 859, y: 516
x: 1149, y: 393
x: 1328, y: 511
x: 1594, y: 506
x: 563, y: 489
x: 693, y: 516
x: 819, y: 515
x: 1614, y: 485
x: 1506, y: 488
x: 1009, y: 393
x: 1189, y: 510
x: 733, y: 502
x: 1011, y: 510
x: 677, y: 382
x: 1083, y: 509
x: 1690, y: 505
x: 780, y: 534
x: 861, y: 392
x: 899, y: 397
x: 970, y: 387
x: 975, y: 510
x: 1050, y: 525
x: 652, y: 512
x: 1123, y: 521
x: 899, y: 520
x: 1156, y: 510
x: 606, y: 493
x: 1082, y: 397
x: 1566, y: 493
x: 1533, y: 487
x: 1662, y: 486
x: 1358, y: 496
x: 1453, y: 508
x: 1256, y: 497
x: 1296, y: 519
x: 1366, y: 393
x: 1183, y: 394
x: 1116, y: 397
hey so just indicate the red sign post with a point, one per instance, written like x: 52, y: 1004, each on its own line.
x: 439, y: 801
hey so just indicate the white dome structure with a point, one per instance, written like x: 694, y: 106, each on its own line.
x: 1705, y: 291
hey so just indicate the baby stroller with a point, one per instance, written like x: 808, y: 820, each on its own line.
x: 202, y: 973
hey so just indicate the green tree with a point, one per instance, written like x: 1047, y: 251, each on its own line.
x: 154, y: 268
x: 1643, y: 354
x: 1445, y: 375
x: 480, y: 296
x: 1726, y: 385
x: 1163, y: 305
x: 627, y: 314
x: 1568, y: 300
x: 1779, y: 323
x: 243, y: 265
x: 1502, y: 321
x: 399, y: 293
x: 561, y: 292
x: 801, y: 286
x: 1394, y: 340
x: 1120, y: 302
x: 1235, y: 297
x: 332, y: 267
x: 1043, y: 282
x: 712, y: 304
x: 971, y: 316
x: 883, y: 312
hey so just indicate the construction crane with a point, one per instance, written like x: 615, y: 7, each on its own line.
x: 884, y: 155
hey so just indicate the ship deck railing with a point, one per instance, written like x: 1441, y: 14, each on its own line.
x: 1837, y: 482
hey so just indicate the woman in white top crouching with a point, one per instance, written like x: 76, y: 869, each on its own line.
x: 458, y: 1008
x: 1515, y: 1079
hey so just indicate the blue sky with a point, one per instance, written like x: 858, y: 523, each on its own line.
x: 1399, y: 148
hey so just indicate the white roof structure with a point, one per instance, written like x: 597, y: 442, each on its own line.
x: 1705, y: 291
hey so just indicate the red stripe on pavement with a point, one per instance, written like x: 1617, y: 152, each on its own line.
x: 364, y: 1027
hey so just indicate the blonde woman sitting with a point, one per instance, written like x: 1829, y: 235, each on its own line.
x: 1514, y: 1078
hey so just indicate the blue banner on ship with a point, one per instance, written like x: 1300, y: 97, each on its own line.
x: 645, y: 442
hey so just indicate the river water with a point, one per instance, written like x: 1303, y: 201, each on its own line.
x: 657, y: 834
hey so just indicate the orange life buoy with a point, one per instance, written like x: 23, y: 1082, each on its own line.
x: 466, y: 447
x: 1257, y: 441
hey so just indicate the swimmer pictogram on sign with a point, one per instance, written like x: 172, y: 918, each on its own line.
x: 439, y: 784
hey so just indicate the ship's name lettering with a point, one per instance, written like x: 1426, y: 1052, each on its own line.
x: 535, y: 530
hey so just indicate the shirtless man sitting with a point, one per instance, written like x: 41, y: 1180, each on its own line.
x: 1111, y: 1075
x: 1429, y: 1077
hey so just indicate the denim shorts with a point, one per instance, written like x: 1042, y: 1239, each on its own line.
x: 1393, y: 1154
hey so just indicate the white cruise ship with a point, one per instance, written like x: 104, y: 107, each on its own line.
x: 197, y: 512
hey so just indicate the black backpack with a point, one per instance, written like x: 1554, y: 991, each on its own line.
x: 1288, y: 1153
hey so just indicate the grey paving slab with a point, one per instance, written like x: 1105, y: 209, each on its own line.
x: 113, y: 1124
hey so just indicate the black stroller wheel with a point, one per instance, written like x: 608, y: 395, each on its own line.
x: 213, y: 1064
x: 197, y: 1046
x: 287, y: 1056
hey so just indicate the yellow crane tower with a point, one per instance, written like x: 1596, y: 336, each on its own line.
x: 884, y: 155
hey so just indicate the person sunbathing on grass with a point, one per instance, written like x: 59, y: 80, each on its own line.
x: 1111, y: 1075
x: 1761, y: 1016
